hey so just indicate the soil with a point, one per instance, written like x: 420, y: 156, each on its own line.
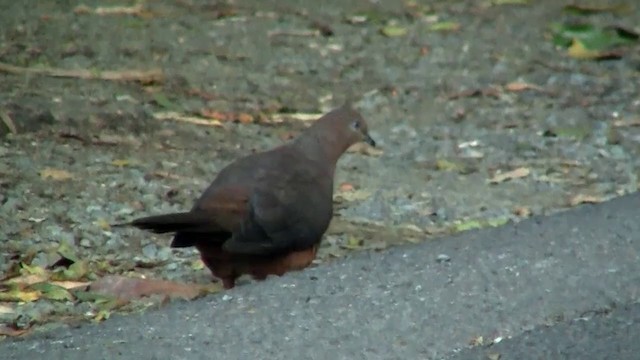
x: 484, y: 124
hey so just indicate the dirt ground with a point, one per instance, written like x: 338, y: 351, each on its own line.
x: 108, y: 116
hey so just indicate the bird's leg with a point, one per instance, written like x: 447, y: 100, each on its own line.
x: 228, y: 282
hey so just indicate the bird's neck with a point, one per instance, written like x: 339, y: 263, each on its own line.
x: 321, y: 146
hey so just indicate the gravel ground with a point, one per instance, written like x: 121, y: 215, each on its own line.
x: 442, y: 105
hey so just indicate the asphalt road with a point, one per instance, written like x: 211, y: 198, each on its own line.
x: 565, y: 286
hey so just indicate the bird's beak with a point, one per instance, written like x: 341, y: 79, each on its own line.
x: 369, y: 140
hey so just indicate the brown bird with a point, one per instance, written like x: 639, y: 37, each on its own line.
x: 265, y: 214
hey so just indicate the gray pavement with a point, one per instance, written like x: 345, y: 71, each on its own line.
x: 565, y: 286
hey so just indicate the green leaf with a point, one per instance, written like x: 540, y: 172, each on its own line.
x: 591, y: 37
x: 162, y: 100
x: 52, y: 291
x: 67, y: 251
x: 445, y: 26
x: 76, y: 271
x: 393, y: 31
x: 90, y: 296
x: 585, y: 10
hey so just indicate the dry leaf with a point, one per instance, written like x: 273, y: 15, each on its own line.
x: 509, y: 175
x: 6, y: 330
x: 578, y: 50
x: 365, y: 149
x: 477, y: 341
x: 393, y: 31
x: 349, y: 196
x: 522, y: 211
x: 27, y: 279
x: 55, y: 174
x: 197, y: 264
x: 71, y: 284
x: 584, y: 199
x: 626, y: 123
x: 346, y: 187
x: 6, y: 309
x: 521, y: 86
x: 185, y: 118
x: 127, y: 288
x: 242, y: 118
x: 121, y: 162
x: 19, y: 295
x: 280, y: 118
x: 102, y: 224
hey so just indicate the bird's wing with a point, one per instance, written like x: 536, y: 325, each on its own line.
x: 225, y: 207
x: 290, y: 216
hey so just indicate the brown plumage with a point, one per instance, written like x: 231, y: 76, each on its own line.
x: 266, y: 213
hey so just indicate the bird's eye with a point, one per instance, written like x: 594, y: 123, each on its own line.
x: 355, y: 124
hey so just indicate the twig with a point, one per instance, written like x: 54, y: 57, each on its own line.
x: 626, y: 123
x: 299, y: 33
x: 111, y: 10
x: 188, y: 119
x: 145, y: 77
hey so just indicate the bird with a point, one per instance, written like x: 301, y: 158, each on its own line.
x: 266, y: 213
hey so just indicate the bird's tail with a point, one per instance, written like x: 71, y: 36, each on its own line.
x: 184, y: 221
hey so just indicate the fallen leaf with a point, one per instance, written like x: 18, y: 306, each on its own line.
x: 627, y: 123
x: 584, y: 9
x: 493, y: 356
x: 349, y: 196
x: 393, y: 31
x: 242, y: 118
x: 578, y: 50
x: 55, y: 174
x: 353, y: 243
x: 197, y: 264
x: 6, y: 330
x: 584, y: 199
x: 6, y: 309
x: 445, y: 26
x: 69, y: 285
x: 510, y: 175
x: 477, y: 341
x: 32, y: 269
x: 17, y: 295
x: 76, y: 271
x: 162, y: 100
x: 460, y: 226
x: 67, y: 251
x: 175, y: 116
x: 121, y: 162
x: 365, y: 149
x: 127, y: 288
x: 346, y: 187
x: 467, y: 225
x: 586, y: 41
x: 447, y: 165
x: 510, y: 2
x: 102, y: 224
x: 27, y: 279
x: 522, y: 211
x: 52, y: 291
x: 521, y: 86
x: 102, y: 315
x: 280, y: 118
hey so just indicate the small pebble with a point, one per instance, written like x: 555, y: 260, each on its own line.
x: 443, y: 258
